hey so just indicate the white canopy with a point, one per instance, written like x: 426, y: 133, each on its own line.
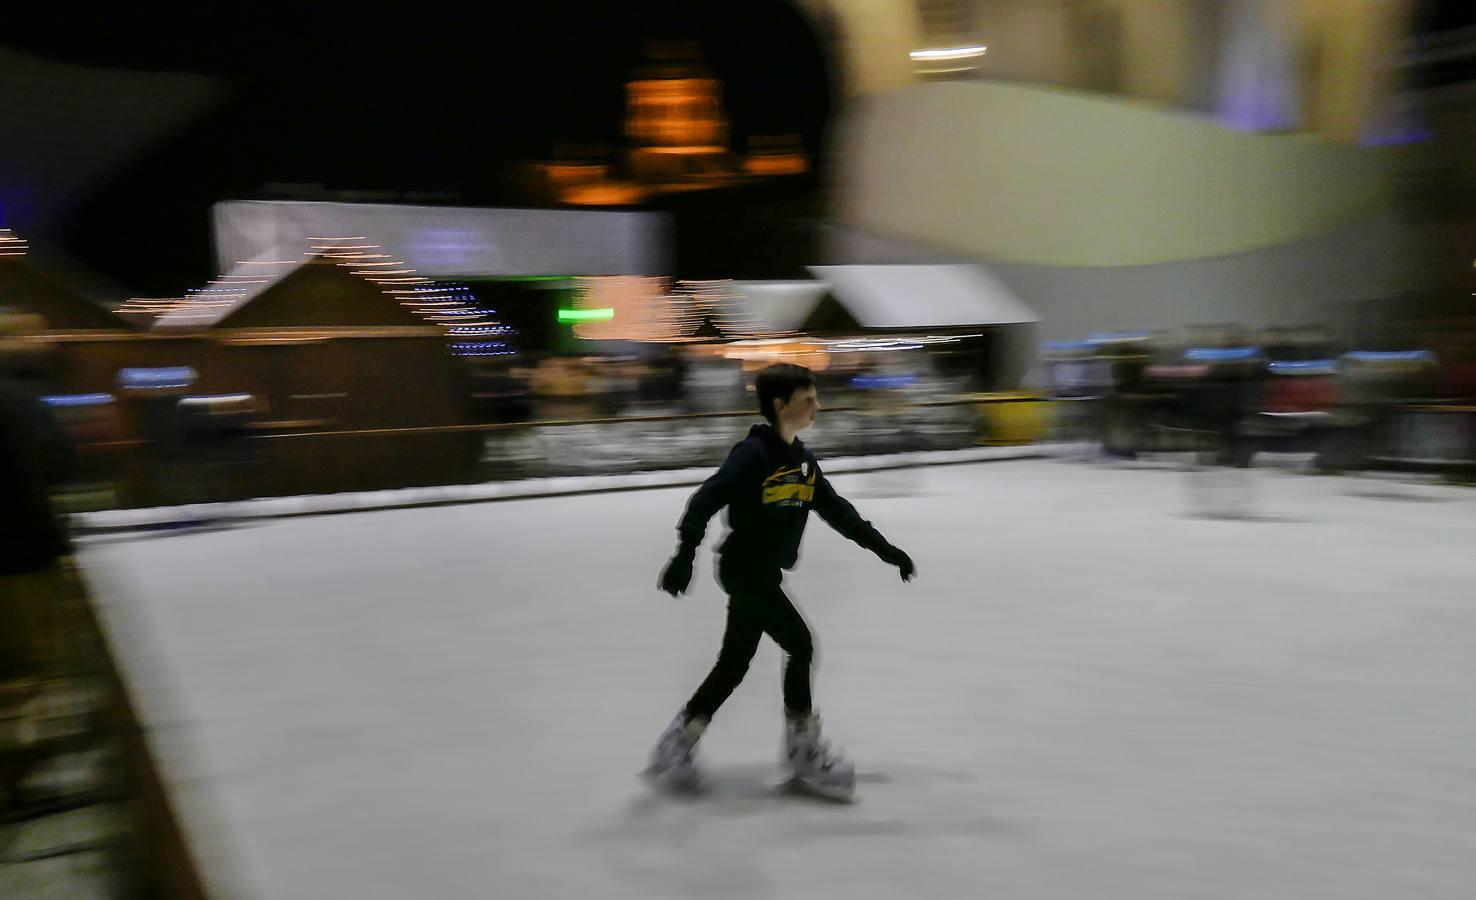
x: 449, y: 241
x: 923, y: 296
x: 781, y: 305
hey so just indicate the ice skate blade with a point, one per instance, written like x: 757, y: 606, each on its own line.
x: 807, y: 788
x: 677, y: 784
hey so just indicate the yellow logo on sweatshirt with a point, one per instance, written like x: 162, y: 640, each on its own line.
x: 789, y: 487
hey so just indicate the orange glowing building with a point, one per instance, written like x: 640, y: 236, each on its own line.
x: 677, y: 134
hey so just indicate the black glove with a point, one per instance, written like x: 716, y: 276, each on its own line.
x: 678, y: 572
x: 895, y: 557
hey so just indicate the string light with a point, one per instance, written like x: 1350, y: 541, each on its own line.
x: 657, y: 311
x: 12, y: 244
x: 453, y: 307
x: 151, y: 306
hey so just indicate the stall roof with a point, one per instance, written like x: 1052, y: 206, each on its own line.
x: 340, y: 282
x: 782, y: 306
x: 53, y: 295
x: 239, y: 286
x: 897, y: 297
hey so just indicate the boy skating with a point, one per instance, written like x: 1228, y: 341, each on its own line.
x: 769, y: 483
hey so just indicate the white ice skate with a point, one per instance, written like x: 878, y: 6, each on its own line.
x: 816, y: 767
x: 673, y: 761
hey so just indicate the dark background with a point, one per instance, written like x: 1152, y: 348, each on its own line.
x: 438, y: 102
x: 433, y: 102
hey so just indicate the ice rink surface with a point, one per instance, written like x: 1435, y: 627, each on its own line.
x: 1093, y: 690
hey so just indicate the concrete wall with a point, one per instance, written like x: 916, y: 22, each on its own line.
x: 874, y: 40
x: 1033, y: 175
x: 1315, y: 65
x: 1334, y: 278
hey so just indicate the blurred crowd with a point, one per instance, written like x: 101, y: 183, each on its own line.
x: 1230, y: 393
x: 572, y: 387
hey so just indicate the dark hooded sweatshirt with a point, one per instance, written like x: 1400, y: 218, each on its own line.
x: 769, y: 488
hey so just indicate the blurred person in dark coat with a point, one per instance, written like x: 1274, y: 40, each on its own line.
x: 34, y: 456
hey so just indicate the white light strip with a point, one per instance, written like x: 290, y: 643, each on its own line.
x: 950, y: 53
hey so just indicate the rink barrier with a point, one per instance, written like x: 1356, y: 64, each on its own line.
x: 980, y: 402
x: 438, y: 455
x: 286, y: 458
x: 195, y: 514
x: 487, y: 427
x: 974, y: 400
x: 1449, y: 449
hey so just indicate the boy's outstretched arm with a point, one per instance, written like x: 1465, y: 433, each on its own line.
x: 838, y: 512
x: 740, y: 467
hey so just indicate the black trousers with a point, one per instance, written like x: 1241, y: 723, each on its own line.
x: 757, y: 605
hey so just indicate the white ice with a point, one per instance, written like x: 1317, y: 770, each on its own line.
x: 1091, y: 691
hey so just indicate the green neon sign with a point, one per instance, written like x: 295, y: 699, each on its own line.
x: 586, y: 315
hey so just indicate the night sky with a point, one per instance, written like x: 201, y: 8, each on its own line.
x: 1440, y: 20
x: 433, y: 97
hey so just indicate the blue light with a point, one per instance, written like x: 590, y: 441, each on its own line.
x: 1391, y: 355
x: 1393, y: 139
x: 882, y: 382
x: 77, y: 399
x: 168, y: 376
x: 1302, y: 365
x: 478, y: 345
x: 1221, y: 354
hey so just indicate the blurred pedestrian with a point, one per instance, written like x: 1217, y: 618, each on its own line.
x: 34, y: 457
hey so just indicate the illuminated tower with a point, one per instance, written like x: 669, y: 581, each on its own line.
x: 674, y: 118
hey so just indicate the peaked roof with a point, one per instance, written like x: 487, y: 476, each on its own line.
x: 782, y: 306
x: 209, y: 306
x: 352, y: 282
x: 901, y: 297
x: 34, y: 289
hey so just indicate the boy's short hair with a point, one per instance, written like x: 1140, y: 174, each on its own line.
x: 779, y: 382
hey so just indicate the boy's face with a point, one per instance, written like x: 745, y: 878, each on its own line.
x: 799, y: 412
